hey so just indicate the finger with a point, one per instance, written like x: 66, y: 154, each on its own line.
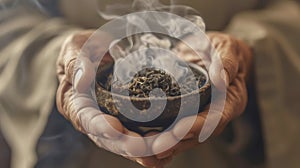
x: 149, y: 161
x: 82, y: 110
x: 223, y: 110
x: 99, y: 124
x: 219, y: 77
x: 184, y: 145
x: 186, y: 128
x: 87, y: 45
x: 180, y: 129
x: 133, y: 144
x: 225, y: 57
x: 84, y: 75
x: 150, y: 138
x: 194, y: 50
x: 130, y: 145
x: 152, y: 162
x: 236, y: 98
x: 163, y: 162
x: 93, y: 121
x: 163, y: 143
x: 69, y: 53
x: 203, y: 125
x: 108, y: 144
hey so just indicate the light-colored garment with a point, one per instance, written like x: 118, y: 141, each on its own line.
x: 30, y: 44
x: 274, y: 35
x: 215, y: 13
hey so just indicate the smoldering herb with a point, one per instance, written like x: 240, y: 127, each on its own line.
x: 148, y: 79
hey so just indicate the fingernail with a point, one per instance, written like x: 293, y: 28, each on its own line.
x: 78, y: 76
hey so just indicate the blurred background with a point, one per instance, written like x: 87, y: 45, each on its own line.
x: 34, y: 134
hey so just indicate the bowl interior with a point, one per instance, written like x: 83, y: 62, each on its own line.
x: 165, y: 119
x: 105, y: 71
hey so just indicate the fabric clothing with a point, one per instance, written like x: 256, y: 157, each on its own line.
x: 215, y: 13
x: 5, y: 153
x: 274, y: 36
x: 30, y: 44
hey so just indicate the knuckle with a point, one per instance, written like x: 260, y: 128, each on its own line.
x: 70, y: 69
x: 78, y: 39
x: 222, y: 125
x: 231, y: 66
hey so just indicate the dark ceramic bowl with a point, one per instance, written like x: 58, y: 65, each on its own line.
x: 106, y: 101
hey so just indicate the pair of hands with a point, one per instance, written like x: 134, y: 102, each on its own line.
x: 107, y: 132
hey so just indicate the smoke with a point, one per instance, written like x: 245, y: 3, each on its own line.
x: 116, y: 8
x: 146, y: 34
x: 140, y: 50
x: 151, y: 52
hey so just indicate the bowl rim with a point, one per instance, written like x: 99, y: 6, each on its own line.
x: 205, y: 87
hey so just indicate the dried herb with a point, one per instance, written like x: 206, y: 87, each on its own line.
x: 148, y: 79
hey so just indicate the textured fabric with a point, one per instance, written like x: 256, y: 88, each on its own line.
x: 216, y: 13
x: 5, y: 152
x: 274, y: 36
x: 30, y: 43
x: 29, y: 49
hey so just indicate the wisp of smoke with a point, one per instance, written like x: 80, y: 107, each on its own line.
x: 139, y: 45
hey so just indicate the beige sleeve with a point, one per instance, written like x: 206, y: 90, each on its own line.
x: 216, y: 13
x: 29, y: 46
x: 274, y: 35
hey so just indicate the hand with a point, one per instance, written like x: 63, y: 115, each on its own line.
x: 76, y: 72
x: 236, y: 58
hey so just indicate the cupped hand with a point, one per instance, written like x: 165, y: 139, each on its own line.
x: 229, y: 74
x: 76, y: 70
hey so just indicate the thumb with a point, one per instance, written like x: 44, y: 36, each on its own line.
x: 224, y: 65
x: 218, y: 75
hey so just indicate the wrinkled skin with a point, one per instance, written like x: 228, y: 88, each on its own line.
x: 237, y: 59
x: 107, y: 131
